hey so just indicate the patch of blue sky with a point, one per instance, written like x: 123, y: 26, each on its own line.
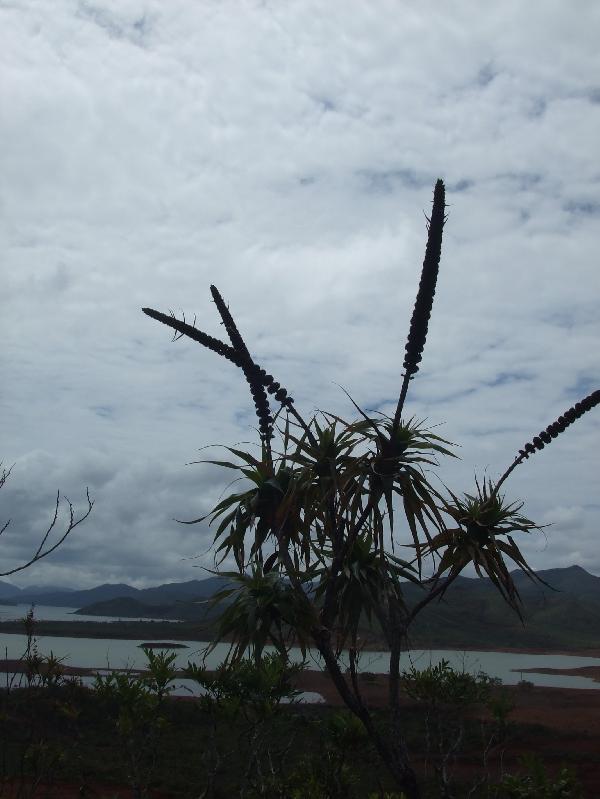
x: 444, y: 398
x: 538, y: 107
x: 593, y: 94
x: 486, y: 75
x: 582, y: 207
x: 504, y: 378
x: 563, y: 318
x: 133, y: 31
x: 524, y: 215
x: 583, y: 386
x: 376, y: 407
x: 324, y: 103
x: 461, y: 185
x: 174, y: 354
x: 104, y: 411
x: 244, y: 418
x: 496, y: 431
x: 142, y: 25
x: 520, y: 181
x: 192, y: 405
x: 387, y: 181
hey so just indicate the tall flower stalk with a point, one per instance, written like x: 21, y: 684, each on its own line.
x: 419, y: 322
x: 546, y: 436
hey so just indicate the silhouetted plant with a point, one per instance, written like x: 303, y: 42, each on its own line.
x: 44, y: 549
x: 308, y: 531
x: 136, y: 702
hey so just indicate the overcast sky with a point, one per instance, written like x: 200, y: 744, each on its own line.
x: 287, y: 152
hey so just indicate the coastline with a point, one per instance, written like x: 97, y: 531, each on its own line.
x: 369, y: 682
x: 591, y: 672
x: 578, y: 652
x: 172, y: 632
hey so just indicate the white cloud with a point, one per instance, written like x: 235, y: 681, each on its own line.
x: 285, y: 153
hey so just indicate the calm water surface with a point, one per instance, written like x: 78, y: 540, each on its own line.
x: 115, y: 653
x: 53, y: 613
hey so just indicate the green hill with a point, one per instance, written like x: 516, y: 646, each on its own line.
x: 471, y: 615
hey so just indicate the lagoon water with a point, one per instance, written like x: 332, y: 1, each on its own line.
x: 54, y: 613
x: 116, y: 653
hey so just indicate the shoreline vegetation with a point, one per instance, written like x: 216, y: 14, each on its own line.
x: 318, y: 681
x: 375, y: 687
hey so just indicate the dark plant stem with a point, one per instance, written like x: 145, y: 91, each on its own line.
x: 394, y: 755
x: 435, y: 592
x: 519, y: 459
x: 392, y: 752
x: 340, y: 554
x: 395, y: 635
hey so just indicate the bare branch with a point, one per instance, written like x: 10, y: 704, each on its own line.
x: 41, y: 552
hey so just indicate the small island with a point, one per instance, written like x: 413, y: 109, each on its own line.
x: 162, y: 645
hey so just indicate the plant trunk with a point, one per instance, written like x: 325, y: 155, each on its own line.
x: 395, y: 758
x: 393, y: 752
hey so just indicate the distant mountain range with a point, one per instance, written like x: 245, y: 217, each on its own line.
x: 471, y: 615
x: 166, y: 596
x: 474, y: 615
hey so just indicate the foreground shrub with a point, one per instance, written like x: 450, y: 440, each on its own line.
x: 535, y: 783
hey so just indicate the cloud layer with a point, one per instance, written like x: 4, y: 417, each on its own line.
x: 286, y: 153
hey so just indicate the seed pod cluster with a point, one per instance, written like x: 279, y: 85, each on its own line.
x: 234, y: 335
x: 424, y: 302
x: 261, y: 404
x: 207, y: 341
x: 272, y: 386
x: 257, y: 378
x: 251, y: 371
x: 560, y: 425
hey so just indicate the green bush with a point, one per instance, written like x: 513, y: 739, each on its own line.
x: 537, y: 784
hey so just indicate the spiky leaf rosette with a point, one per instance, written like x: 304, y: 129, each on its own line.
x: 484, y: 520
x: 423, y: 304
x: 367, y: 578
x: 396, y: 466
x: 263, y: 609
